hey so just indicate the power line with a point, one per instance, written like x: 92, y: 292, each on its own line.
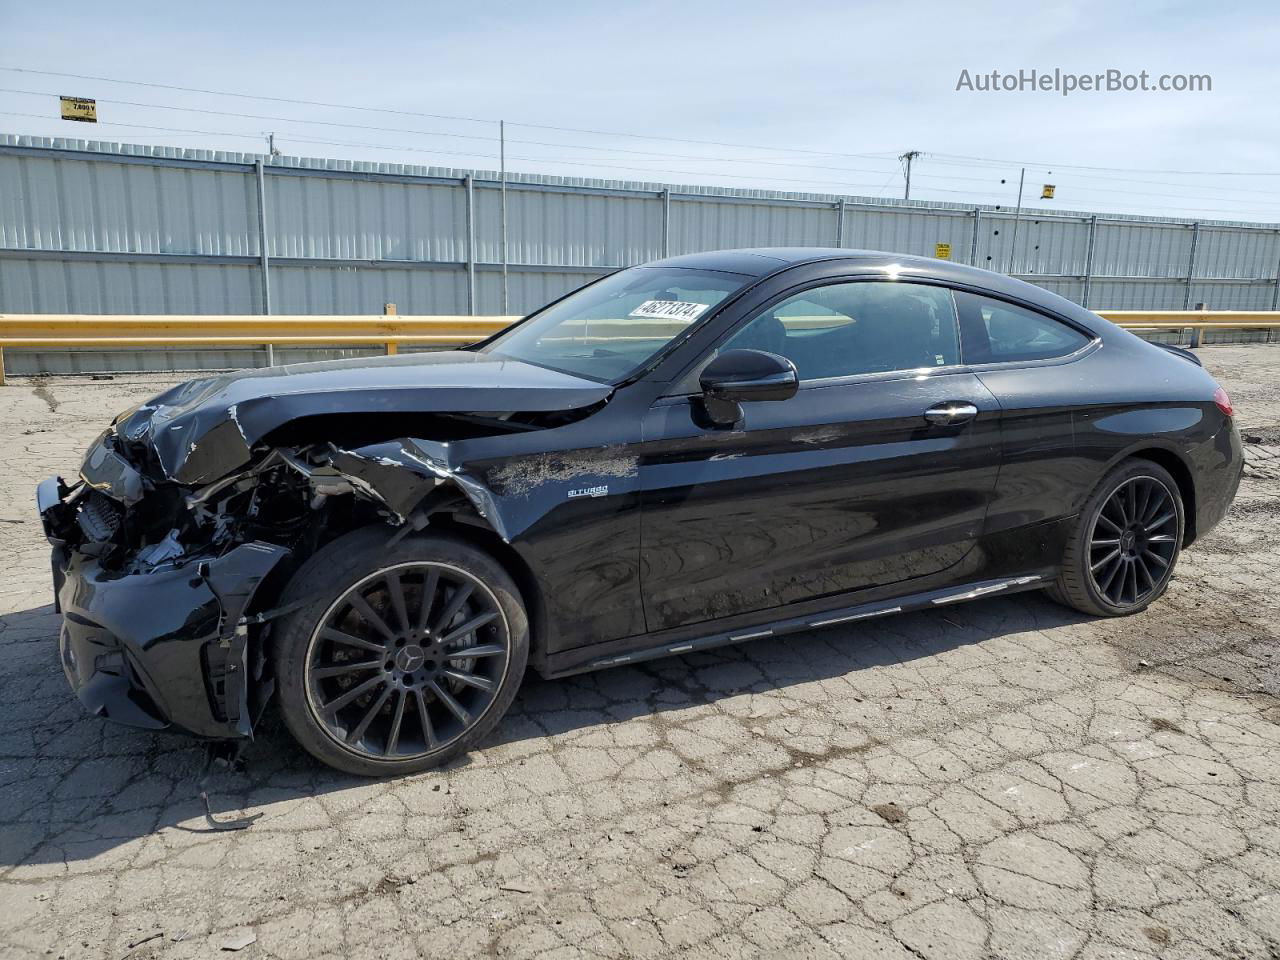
x: 882, y: 155
x: 1075, y: 166
x: 462, y: 153
x: 255, y: 116
x: 245, y: 96
x: 139, y: 126
x: 1128, y: 191
x: 456, y: 136
x: 944, y: 159
x: 437, y: 116
x: 989, y: 195
x: 1107, y: 178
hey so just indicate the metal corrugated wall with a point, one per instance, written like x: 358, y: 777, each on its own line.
x: 90, y: 227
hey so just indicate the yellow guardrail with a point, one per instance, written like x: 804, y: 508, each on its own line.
x: 1205, y: 319
x: 391, y: 331
x: 85, y: 330
x: 100, y: 331
x: 1197, y: 321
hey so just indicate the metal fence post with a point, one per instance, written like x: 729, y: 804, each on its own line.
x: 1017, y: 218
x: 973, y: 241
x: 666, y: 223
x: 470, y: 185
x: 1275, y: 292
x: 841, y: 207
x: 502, y: 152
x: 262, y: 250
x: 1191, y: 267
x: 1275, y: 302
x: 392, y: 347
x: 1088, y: 261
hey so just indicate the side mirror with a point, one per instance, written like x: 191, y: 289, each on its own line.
x: 737, y: 376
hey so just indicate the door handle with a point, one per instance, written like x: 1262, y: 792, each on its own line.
x: 950, y: 413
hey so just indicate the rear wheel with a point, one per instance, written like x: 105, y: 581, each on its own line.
x: 1125, y: 542
x: 404, y: 657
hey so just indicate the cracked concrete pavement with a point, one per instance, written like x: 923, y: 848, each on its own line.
x: 1002, y: 779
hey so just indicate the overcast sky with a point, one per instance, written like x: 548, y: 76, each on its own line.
x: 853, y: 84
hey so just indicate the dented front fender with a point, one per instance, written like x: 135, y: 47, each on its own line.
x: 510, y: 495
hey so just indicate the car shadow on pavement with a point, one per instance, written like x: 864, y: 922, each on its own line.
x: 74, y: 787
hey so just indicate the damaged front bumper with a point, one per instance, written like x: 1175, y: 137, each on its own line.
x: 164, y: 647
x: 160, y: 581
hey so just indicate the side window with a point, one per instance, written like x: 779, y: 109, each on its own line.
x: 999, y: 332
x: 859, y: 327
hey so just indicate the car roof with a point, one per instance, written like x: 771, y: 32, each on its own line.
x: 763, y: 261
x: 757, y: 261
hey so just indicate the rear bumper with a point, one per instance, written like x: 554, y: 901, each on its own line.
x: 166, y: 647
x: 1219, y: 468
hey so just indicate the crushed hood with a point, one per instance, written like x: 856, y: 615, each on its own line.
x: 205, y: 428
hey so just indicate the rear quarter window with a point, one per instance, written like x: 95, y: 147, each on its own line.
x: 997, y: 332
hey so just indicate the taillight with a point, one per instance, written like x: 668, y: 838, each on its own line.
x: 1223, y: 402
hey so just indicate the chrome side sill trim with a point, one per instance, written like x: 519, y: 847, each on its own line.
x: 925, y: 600
x: 983, y: 591
x: 855, y: 616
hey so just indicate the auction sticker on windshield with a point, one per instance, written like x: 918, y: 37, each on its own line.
x: 669, y: 310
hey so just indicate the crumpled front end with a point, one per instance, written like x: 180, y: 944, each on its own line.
x: 168, y: 588
x: 154, y: 631
x: 154, y: 602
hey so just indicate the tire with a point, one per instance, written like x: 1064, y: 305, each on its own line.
x: 1106, y: 573
x: 363, y: 625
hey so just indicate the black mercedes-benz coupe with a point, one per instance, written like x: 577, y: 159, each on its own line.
x: 694, y: 452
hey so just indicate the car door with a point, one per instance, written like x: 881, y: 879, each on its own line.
x: 1028, y: 361
x: 879, y: 470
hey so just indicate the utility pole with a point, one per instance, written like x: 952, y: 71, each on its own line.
x: 1013, y: 239
x: 271, y: 145
x: 906, y: 159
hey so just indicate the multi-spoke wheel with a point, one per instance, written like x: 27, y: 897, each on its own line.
x: 1133, y: 541
x: 1125, y: 544
x: 406, y: 657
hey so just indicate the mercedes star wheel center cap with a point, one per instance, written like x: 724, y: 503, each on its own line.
x: 410, y: 658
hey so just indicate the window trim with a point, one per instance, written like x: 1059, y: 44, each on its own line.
x: 1084, y: 351
x: 1093, y: 341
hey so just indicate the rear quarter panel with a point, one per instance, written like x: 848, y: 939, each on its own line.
x: 1065, y: 424
x: 1140, y: 399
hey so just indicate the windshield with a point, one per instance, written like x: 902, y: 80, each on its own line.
x: 610, y: 329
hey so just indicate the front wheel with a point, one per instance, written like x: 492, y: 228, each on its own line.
x: 403, y: 657
x: 1124, y: 544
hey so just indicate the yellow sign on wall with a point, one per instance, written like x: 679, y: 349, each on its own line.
x: 1047, y: 192
x: 942, y: 251
x: 79, y: 108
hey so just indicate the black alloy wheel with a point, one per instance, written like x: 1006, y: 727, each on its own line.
x: 402, y: 657
x: 1124, y: 544
x: 406, y: 660
x: 1133, y: 541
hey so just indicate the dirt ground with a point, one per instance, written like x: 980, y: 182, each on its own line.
x: 1000, y: 779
